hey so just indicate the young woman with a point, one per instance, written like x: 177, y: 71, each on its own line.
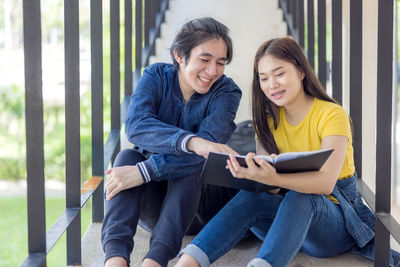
x: 318, y: 212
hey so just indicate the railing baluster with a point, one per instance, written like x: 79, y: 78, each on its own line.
x: 300, y: 22
x: 310, y: 32
x: 147, y: 22
x: 285, y: 6
x: 322, y: 66
x: 34, y: 134
x: 138, y: 39
x: 289, y: 6
x: 115, y: 72
x: 153, y: 16
x: 40, y: 243
x: 356, y: 80
x: 384, y: 130
x: 295, y: 18
x: 96, y: 47
x: 72, y: 128
x: 158, y: 15
x: 128, y: 47
x: 337, y: 50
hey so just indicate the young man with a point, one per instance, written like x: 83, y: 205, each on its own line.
x: 177, y: 115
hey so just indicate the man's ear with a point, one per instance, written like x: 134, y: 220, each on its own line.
x: 178, y: 58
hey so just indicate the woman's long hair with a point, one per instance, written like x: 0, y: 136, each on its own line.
x: 288, y: 50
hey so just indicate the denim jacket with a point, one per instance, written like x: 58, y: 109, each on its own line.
x: 359, y: 219
x: 159, y: 121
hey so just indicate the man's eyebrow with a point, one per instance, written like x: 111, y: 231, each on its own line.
x: 277, y: 68
x: 205, y: 54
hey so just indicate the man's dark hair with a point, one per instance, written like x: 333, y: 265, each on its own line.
x: 196, y: 32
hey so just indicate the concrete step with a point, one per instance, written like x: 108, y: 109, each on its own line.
x: 250, y: 25
x: 93, y: 256
x: 230, y: 15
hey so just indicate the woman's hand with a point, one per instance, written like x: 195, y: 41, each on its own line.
x: 202, y: 147
x: 263, y: 173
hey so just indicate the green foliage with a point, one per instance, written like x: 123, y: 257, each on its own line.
x: 14, y: 232
x: 86, y: 136
x: 12, y: 168
x: 12, y: 101
x: 12, y: 134
x: 13, y: 228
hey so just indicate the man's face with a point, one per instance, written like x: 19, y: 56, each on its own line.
x: 204, y: 66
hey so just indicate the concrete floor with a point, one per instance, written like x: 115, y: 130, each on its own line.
x: 239, y: 256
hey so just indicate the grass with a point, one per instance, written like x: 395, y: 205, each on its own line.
x: 14, y: 233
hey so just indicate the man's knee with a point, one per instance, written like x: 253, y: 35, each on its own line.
x: 190, y: 184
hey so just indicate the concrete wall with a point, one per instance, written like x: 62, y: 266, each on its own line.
x: 370, y: 26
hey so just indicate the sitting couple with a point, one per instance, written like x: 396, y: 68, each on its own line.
x: 182, y: 111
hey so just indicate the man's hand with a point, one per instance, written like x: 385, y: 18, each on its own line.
x: 202, y: 147
x: 122, y: 178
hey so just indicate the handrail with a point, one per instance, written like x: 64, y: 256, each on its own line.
x: 40, y: 242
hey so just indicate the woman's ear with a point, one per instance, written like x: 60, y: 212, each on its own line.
x: 301, y: 74
x: 178, y: 58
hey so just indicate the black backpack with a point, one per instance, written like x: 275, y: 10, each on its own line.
x: 243, y: 138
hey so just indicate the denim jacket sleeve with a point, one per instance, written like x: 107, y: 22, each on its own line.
x: 217, y: 126
x: 143, y: 126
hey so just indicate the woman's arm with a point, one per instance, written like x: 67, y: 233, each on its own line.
x: 314, y: 182
x: 260, y: 149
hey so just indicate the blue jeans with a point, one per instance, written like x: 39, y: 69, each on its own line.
x: 286, y: 224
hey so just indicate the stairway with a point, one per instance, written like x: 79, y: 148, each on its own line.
x: 250, y: 22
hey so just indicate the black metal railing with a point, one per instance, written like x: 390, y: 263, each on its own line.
x: 385, y: 224
x: 147, y: 21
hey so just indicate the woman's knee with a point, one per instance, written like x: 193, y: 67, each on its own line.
x: 128, y: 157
x: 303, y: 200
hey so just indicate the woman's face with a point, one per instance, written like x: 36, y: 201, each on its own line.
x: 280, y: 80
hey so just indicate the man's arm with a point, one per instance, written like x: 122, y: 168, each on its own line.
x: 143, y: 125
x: 215, y: 130
x: 219, y: 124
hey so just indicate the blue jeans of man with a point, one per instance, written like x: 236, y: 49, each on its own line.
x: 286, y: 224
x: 168, y: 209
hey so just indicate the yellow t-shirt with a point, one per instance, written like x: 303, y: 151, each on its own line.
x: 323, y: 119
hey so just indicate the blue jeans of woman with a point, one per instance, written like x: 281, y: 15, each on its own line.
x: 286, y: 224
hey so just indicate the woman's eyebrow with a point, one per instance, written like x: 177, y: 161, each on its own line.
x: 277, y: 68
